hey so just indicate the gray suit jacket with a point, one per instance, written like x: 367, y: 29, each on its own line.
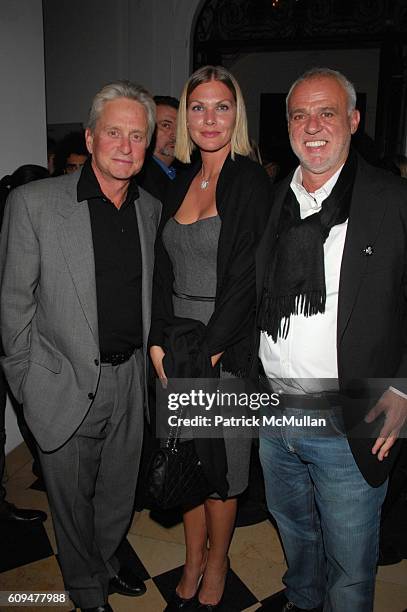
x: 49, y: 323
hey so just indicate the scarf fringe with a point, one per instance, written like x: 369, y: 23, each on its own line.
x: 275, y: 313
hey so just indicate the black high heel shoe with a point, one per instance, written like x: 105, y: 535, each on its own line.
x: 179, y: 603
x: 210, y: 607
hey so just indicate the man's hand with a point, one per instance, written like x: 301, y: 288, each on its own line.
x: 394, y: 409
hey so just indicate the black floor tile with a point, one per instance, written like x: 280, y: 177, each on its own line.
x: 276, y: 598
x: 23, y: 543
x: 237, y: 596
x: 167, y: 582
x: 128, y: 557
x: 38, y: 485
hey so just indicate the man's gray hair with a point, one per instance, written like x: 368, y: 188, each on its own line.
x: 123, y: 89
x: 332, y: 74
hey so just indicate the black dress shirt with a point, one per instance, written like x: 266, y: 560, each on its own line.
x: 118, y: 267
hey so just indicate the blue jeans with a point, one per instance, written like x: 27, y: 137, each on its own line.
x: 327, y: 515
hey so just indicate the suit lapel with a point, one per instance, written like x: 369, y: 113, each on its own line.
x: 365, y: 218
x: 147, y: 232
x: 75, y: 238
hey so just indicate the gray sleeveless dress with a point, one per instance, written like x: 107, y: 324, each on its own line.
x: 192, y: 249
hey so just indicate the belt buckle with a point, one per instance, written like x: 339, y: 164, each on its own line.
x: 115, y: 359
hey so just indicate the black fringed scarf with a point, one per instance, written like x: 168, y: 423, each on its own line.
x: 295, y: 277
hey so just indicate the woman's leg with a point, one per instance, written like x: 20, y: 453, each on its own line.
x: 196, y: 536
x: 220, y: 521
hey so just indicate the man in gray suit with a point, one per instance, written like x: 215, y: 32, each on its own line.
x: 76, y: 274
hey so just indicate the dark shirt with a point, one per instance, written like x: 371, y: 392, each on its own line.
x: 153, y: 179
x: 118, y: 269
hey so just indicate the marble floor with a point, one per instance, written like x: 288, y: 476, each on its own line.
x: 257, y: 560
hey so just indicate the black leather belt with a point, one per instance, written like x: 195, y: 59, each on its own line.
x: 311, y: 401
x: 304, y: 401
x: 116, y: 358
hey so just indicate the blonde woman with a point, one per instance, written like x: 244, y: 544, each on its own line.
x: 205, y: 271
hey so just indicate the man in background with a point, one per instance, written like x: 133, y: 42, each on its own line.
x: 159, y: 168
x: 71, y: 154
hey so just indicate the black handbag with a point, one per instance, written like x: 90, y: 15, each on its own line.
x: 175, y: 475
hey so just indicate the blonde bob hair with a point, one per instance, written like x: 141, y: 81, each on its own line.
x: 240, y: 143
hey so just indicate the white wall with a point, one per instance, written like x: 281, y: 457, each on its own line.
x: 274, y: 72
x: 89, y: 43
x: 22, y: 106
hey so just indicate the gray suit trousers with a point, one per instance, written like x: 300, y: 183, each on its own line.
x: 91, y: 482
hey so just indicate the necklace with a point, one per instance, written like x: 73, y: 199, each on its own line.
x: 205, y: 181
